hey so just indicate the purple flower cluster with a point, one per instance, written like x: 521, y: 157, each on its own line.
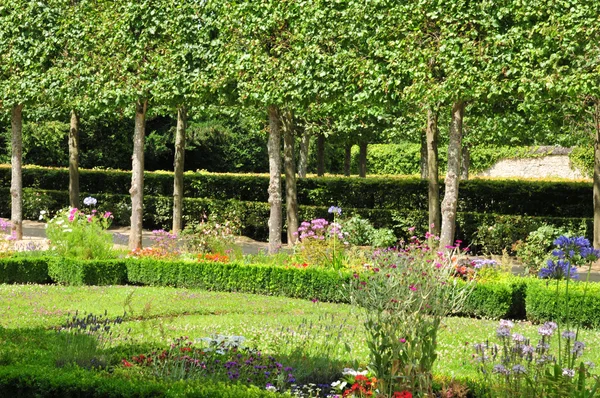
x: 568, y: 253
x: 319, y: 229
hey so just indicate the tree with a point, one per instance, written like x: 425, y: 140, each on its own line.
x: 271, y: 57
x: 130, y: 40
x: 28, y: 44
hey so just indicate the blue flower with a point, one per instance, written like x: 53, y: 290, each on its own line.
x: 335, y: 210
x: 559, y: 269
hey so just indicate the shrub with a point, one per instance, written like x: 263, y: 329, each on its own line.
x: 91, y: 272
x: 24, y: 270
x: 75, y: 234
x: 535, y: 250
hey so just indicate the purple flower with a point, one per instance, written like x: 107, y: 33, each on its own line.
x: 335, y: 210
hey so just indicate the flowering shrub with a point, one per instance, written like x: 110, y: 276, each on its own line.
x: 164, y: 246
x: 467, y: 269
x: 361, y: 232
x: 322, y: 243
x: 78, y: 234
x: 405, y: 292
x: 518, y: 368
x: 535, y: 250
x: 222, y: 358
x: 210, y: 236
x: 356, y: 383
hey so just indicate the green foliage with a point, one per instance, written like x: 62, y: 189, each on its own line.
x: 403, y: 296
x: 582, y: 158
x: 532, y: 198
x: 499, y: 299
x: 291, y: 282
x: 546, y: 302
x: 537, y: 248
x: 24, y: 270
x: 211, y: 235
x: 75, y: 234
x: 361, y: 232
x: 69, y: 271
x: 19, y: 380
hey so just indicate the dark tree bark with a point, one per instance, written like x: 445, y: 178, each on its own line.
x: 423, y: 159
x: 178, y: 167
x: 16, y: 182
x: 432, y: 135
x: 289, y: 166
x: 347, y: 159
x: 450, y: 202
x: 320, y: 155
x: 137, y: 176
x: 303, y: 161
x: 273, y: 146
x: 596, y: 116
x: 362, y: 159
x: 74, y: 160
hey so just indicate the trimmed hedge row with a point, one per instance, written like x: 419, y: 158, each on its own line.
x: 253, y: 215
x: 534, y: 198
x: 513, y: 297
x: 36, y: 381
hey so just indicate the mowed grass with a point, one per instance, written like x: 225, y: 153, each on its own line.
x: 277, y: 325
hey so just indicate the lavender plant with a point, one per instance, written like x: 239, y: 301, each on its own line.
x: 83, y: 340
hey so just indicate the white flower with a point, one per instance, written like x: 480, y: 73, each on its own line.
x: 68, y: 230
x: 339, y: 384
x: 271, y: 388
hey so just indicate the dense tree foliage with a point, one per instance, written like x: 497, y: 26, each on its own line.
x: 223, y: 80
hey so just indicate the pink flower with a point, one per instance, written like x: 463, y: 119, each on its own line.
x: 413, y: 288
x: 403, y: 340
x: 107, y: 214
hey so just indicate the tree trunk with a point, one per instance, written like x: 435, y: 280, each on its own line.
x: 137, y: 176
x: 362, y: 159
x: 274, y: 145
x: 320, y: 155
x: 289, y: 166
x: 596, y: 116
x: 450, y: 202
x: 465, y: 163
x: 16, y: 182
x: 423, y: 159
x: 74, y: 160
x: 432, y: 135
x: 178, y: 167
x: 303, y: 161
x: 347, y: 159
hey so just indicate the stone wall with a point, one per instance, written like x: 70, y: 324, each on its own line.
x: 552, y: 165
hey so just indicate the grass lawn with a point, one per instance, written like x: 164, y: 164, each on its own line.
x: 314, y: 335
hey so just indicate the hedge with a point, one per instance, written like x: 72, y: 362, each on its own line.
x: 543, y: 303
x: 321, y: 284
x: 37, y: 381
x: 513, y: 297
x: 254, y: 215
x: 90, y: 272
x: 24, y: 270
x: 518, y: 197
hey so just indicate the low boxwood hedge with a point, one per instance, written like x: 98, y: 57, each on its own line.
x: 24, y: 270
x: 512, y: 297
x: 37, y: 381
x: 87, y: 272
x: 545, y: 302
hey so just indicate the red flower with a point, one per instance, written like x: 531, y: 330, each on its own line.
x: 402, y: 394
x: 126, y: 363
